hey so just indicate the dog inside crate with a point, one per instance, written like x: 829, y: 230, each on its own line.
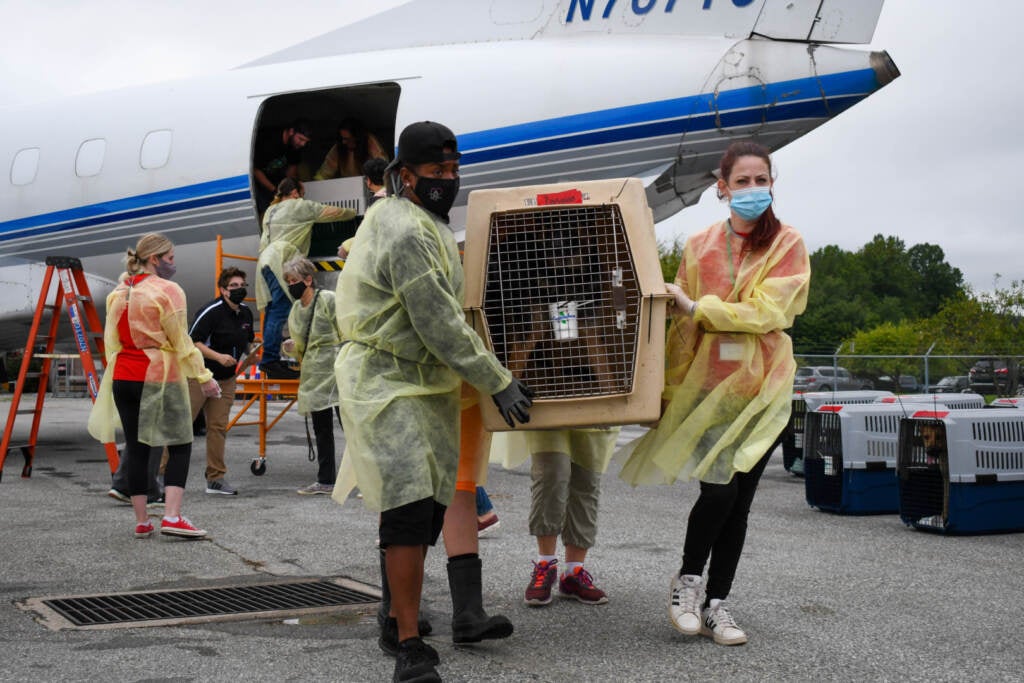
x: 559, y: 291
x: 927, y: 471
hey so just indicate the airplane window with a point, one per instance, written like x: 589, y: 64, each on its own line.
x: 25, y: 165
x: 156, y: 149
x: 90, y: 157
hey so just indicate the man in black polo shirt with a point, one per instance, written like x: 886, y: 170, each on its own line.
x: 223, y: 333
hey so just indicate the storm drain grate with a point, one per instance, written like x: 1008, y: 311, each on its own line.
x: 180, y: 606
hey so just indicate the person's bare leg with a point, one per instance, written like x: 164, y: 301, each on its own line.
x: 574, y: 553
x: 547, y: 545
x: 459, y: 530
x: 139, y: 508
x: 173, y: 495
x: 405, y: 580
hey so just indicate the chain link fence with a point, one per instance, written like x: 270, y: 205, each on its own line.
x: 988, y: 374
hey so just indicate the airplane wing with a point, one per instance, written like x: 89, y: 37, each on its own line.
x: 422, y: 23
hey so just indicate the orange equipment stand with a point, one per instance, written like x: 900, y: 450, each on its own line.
x: 255, y: 388
x: 72, y: 291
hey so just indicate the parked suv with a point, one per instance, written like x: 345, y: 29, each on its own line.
x: 990, y: 376
x: 827, y: 378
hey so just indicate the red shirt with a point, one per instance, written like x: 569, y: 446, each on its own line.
x: 132, y: 362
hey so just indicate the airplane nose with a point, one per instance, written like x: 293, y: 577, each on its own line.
x: 885, y: 69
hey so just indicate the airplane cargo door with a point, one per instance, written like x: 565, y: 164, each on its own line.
x: 345, y: 126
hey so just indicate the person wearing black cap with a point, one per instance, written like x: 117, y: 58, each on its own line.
x: 399, y: 307
x: 277, y: 157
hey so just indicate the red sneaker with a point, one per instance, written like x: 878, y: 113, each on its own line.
x: 541, y: 582
x: 487, y: 524
x: 144, y: 530
x: 182, y: 527
x: 580, y: 585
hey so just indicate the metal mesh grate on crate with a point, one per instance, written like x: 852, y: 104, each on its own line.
x: 922, y: 482
x: 540, y: 258
x: 823, y: 459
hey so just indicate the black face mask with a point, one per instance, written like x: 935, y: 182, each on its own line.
x: 237, y: 296
x: 296, y: 289
x: 437, y: 194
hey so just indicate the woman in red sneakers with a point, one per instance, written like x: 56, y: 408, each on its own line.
x: 149, y: 360
x: 729, y: 382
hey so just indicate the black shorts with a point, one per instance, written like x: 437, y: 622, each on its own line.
x: 417, y: 523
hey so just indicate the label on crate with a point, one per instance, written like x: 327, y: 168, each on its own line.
x: 566, y: 197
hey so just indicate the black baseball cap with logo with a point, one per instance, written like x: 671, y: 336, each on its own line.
x: 424, y: 142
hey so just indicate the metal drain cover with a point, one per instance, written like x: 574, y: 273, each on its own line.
x: 172, y: 607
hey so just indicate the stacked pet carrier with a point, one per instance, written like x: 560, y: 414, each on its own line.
x: 962, y: 472
x: 850, y: 452
x: 953, y: 401
x: 564, y: 285
x: 1006, y: 402
x: 793, y: 437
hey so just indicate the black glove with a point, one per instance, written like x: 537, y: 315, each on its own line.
x: 514, y: 401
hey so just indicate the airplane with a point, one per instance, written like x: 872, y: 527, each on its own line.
x: 537, y: 91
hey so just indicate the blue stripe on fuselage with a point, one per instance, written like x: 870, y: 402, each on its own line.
x: 742, y: 106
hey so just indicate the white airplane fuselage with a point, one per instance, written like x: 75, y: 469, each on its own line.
x: 176, y: 157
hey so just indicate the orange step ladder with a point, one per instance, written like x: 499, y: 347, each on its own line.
x: 72, y: 292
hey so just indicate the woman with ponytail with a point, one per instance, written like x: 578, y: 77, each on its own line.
x: 728, y: 382
x: 150, y: 357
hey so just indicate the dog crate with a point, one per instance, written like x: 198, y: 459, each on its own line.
x: 952, y: 401
x: 564, y: 285
x: 962, y: 472
x: 850, y: 456
x: 793, y: 436
x: 1007, y: 402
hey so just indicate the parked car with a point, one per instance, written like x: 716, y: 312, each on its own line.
x: 906, y: 384
x: 954, y: 384
x: 828, y: 378
x: 990, y: 376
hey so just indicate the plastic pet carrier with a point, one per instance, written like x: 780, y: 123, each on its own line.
x: 953, y: 401
x: 962, y: 472
x: 850, y: 455
x: 564, y: 285
x: 793, y: 436
x: 1007, y: 402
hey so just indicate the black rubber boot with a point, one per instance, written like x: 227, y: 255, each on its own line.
x: 385, y: 607
x: 415, y: 663
x: 470, y: 623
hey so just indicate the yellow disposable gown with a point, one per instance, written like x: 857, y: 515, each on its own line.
x: 156, y: 314
x: 729, y: 369
x: 407, y: 349
x: 287, y: 232
x: 317, y: 387
x: 591, y: 448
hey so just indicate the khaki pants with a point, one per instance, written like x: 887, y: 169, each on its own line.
x: 217, y: 412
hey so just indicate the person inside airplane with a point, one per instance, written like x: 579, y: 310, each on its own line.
x: 373, y: 178
x: 149, y: 358
x: 351, y: 150
x: 287, y: 232
x: 729, y: 382
x: 277, y: 157
x: 314, y: 342
x: 408, y: 348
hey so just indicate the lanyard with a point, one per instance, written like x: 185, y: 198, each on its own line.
x: 728, y: 248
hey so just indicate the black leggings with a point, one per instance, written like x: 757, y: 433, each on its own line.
x: 127, y: 398
x: 323, y: 429
x: 718, y: 527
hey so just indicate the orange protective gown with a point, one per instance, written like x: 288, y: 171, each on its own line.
x: 729, y: 369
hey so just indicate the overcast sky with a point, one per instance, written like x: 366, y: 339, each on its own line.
x: 933, y: 157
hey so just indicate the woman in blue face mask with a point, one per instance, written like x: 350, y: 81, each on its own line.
x: 729, y: 383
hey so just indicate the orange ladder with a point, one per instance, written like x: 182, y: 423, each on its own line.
x: 72, y: 292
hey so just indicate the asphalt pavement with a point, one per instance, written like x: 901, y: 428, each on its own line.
x: 821, y: 596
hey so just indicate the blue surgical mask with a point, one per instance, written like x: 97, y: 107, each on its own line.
x: 750, y: 203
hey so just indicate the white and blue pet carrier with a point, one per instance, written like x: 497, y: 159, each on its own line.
x: 793, y: 436
x: 962, y: 472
